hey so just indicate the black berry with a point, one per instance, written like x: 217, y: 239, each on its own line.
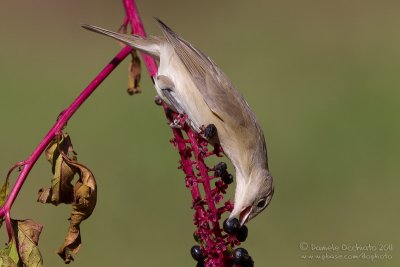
x: 227, y: 178
x: 197, y: 254
x: 220, y: 169
x: 249, y: 263
x: 158, y: 100
x: 200, y: 264
x: 241, y: 256
x: 241, y: 235
x: 210, y: 131
x: 231, y: 226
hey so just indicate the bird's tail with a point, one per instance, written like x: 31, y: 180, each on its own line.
x: 150, y: 45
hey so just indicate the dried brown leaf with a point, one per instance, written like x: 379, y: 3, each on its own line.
x: 61, y: 190
x: 134, y: 74
x: 85, y: 197
x: 134, y: 70
x: 82, y: 196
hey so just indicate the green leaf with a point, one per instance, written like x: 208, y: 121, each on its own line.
x: 6, y: 260
x: 9, y: 255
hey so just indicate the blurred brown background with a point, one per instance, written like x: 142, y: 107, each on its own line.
x: 322, y: 77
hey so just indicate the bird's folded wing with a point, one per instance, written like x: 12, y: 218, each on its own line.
x: 216, y: 88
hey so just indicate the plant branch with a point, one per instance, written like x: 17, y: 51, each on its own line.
x: 57, y: 127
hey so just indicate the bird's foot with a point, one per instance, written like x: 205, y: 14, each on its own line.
x: 178, y: 121
x: 176, y: 124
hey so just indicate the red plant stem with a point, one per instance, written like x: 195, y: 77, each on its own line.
x: 186, y: 162
x: 205, y: 178
x: 62, y: 120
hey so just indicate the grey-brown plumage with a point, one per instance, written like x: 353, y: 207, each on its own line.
x: 191, y: 83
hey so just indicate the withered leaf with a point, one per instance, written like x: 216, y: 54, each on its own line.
x: 85, y: 197
x: 22, y: 249
x: 134, y: 74
x: 134, y: 70
x: 82, y: 196
x: 28, y: 232
x: 61, y: 190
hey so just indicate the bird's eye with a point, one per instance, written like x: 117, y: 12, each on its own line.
x: 261, y: 203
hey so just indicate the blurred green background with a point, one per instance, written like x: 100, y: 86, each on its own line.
x: 322, y: 77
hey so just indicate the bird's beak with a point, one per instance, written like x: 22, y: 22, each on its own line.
x: 244, y: 215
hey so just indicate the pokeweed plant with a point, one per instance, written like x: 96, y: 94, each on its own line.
x: 216, y: 241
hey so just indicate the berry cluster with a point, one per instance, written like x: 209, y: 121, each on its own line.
x: 215, y: 243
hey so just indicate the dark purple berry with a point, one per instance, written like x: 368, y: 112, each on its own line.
x: 241, y: 256
x: 200, y: 264
x: 220, y: 169
x: 210, y: 131
x: 249, y: 263
x: 197, y: 254
x: 231, y: 226
x: 157, y: 100
x: 227, y: 178
x: 241, y: 235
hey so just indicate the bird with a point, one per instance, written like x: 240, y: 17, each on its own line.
x: 190, y: 83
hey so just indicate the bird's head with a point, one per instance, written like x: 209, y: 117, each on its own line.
x: 252, y: 196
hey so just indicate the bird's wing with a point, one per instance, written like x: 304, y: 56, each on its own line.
x: 167, y: 89
x: 216, y: 88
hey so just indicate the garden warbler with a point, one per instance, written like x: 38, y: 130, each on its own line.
x: 192, y: 84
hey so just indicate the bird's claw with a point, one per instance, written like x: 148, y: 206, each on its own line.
x: 175, y: 124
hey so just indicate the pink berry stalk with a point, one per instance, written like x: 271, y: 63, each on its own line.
x: 193, y: 151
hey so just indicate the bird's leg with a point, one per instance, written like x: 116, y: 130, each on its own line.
x: 178, y: 121
x: 175, y: 124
